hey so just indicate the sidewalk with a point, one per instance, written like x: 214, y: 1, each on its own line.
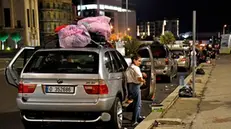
x: 209, y: 110
x: 215, y: 107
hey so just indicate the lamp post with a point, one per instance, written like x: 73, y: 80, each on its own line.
x: 224, y: 27
x: 81, y: 5
x: 194, y: 52
x: 126, y: 15
x: 98, y: 8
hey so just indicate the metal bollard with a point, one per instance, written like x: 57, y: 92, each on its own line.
x: 181, y: 80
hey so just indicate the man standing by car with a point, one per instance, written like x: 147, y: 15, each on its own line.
x: 195, y: 58
x: 135, y: 81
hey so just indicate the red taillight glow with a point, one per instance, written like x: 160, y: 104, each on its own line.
x: 96, y: 89
x: 166, y: 61
x: 158, y: 78
x: 183, y: 59
x: 26, y: 88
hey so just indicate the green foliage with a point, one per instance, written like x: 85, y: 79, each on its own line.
x: 3, y: 36
x: 131, y: 47
x: 167, y: 38
x: 16, y: 36
x: 186, y: 41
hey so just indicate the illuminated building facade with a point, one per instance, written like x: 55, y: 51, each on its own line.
x: 20, y: 16
x: 114, y: 9
x: 157, y: 28
x: 53, y: 13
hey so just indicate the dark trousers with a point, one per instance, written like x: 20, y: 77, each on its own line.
x: 135, y: 94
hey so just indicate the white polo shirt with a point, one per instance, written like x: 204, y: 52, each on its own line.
x: 132, y: 74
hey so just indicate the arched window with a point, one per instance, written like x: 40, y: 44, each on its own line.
x: 48, y: 5
x: 48, y: 15
x: 54, y: 6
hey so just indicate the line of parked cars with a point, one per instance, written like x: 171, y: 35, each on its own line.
x: 83, y: 85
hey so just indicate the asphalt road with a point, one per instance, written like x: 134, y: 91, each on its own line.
x: 10, y: 118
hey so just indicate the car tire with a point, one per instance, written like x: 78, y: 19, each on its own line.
x: 116, y: 115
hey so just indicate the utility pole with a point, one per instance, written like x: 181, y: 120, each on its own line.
x: 98, y: 9
x: 81, y: 5
x: 126, y: 16
x: 194, y: 52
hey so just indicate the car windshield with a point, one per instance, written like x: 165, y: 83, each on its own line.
x: 83, y: 62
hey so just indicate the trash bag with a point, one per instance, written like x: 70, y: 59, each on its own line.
x: 200, y: 71
x: 186, y: 91
x: 99, y: 24
x: 74, y: 36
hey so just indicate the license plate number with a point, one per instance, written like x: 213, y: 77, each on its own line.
x: 60, y: 89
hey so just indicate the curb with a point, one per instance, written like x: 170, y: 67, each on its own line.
x: 167, y: 104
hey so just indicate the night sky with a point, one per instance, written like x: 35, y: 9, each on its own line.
x: 211, y: 15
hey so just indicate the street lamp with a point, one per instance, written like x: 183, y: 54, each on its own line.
x: 224, y: 28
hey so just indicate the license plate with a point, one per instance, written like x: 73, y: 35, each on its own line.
x: 60, y: 89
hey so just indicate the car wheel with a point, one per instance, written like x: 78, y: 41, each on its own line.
x: 117, y: 115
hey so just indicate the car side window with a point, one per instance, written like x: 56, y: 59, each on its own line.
x: 122, y: 60
x: 116, y: 62
x: 108, y: 62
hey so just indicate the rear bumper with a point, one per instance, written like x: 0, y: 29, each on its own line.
x: 182, y: 65
x: 70, y: 117
x: 103, y: 104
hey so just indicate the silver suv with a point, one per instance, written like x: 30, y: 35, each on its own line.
x: 69, y: 85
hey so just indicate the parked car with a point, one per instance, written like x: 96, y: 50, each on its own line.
x: 182, y: 58
x: 147, y: 66
x: 164, y: 64
x: 69, y: 85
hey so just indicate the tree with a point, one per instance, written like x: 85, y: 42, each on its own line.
x: 131, y: 46
x: 16, y: 37
x: 186, y: 41
x: 167, y: 38
x: 3, y: 37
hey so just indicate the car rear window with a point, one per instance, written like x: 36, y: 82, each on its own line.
x: 83, y: 62
x: 178, y: 52
x: 158, y: 51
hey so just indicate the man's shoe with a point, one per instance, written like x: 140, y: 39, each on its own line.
x: 135, y: 124
x: 141, y: 118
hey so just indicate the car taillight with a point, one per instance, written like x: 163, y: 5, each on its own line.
x: 166, y: 61
x: 183, y: 59
x: 26, y: 88
x: 96, y: 89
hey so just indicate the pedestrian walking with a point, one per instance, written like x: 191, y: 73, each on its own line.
x: 135, y: 81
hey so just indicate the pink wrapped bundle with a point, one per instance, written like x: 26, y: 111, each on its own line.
x: 95, y: 19
x: 98, y: 24
x: 73, y: 36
